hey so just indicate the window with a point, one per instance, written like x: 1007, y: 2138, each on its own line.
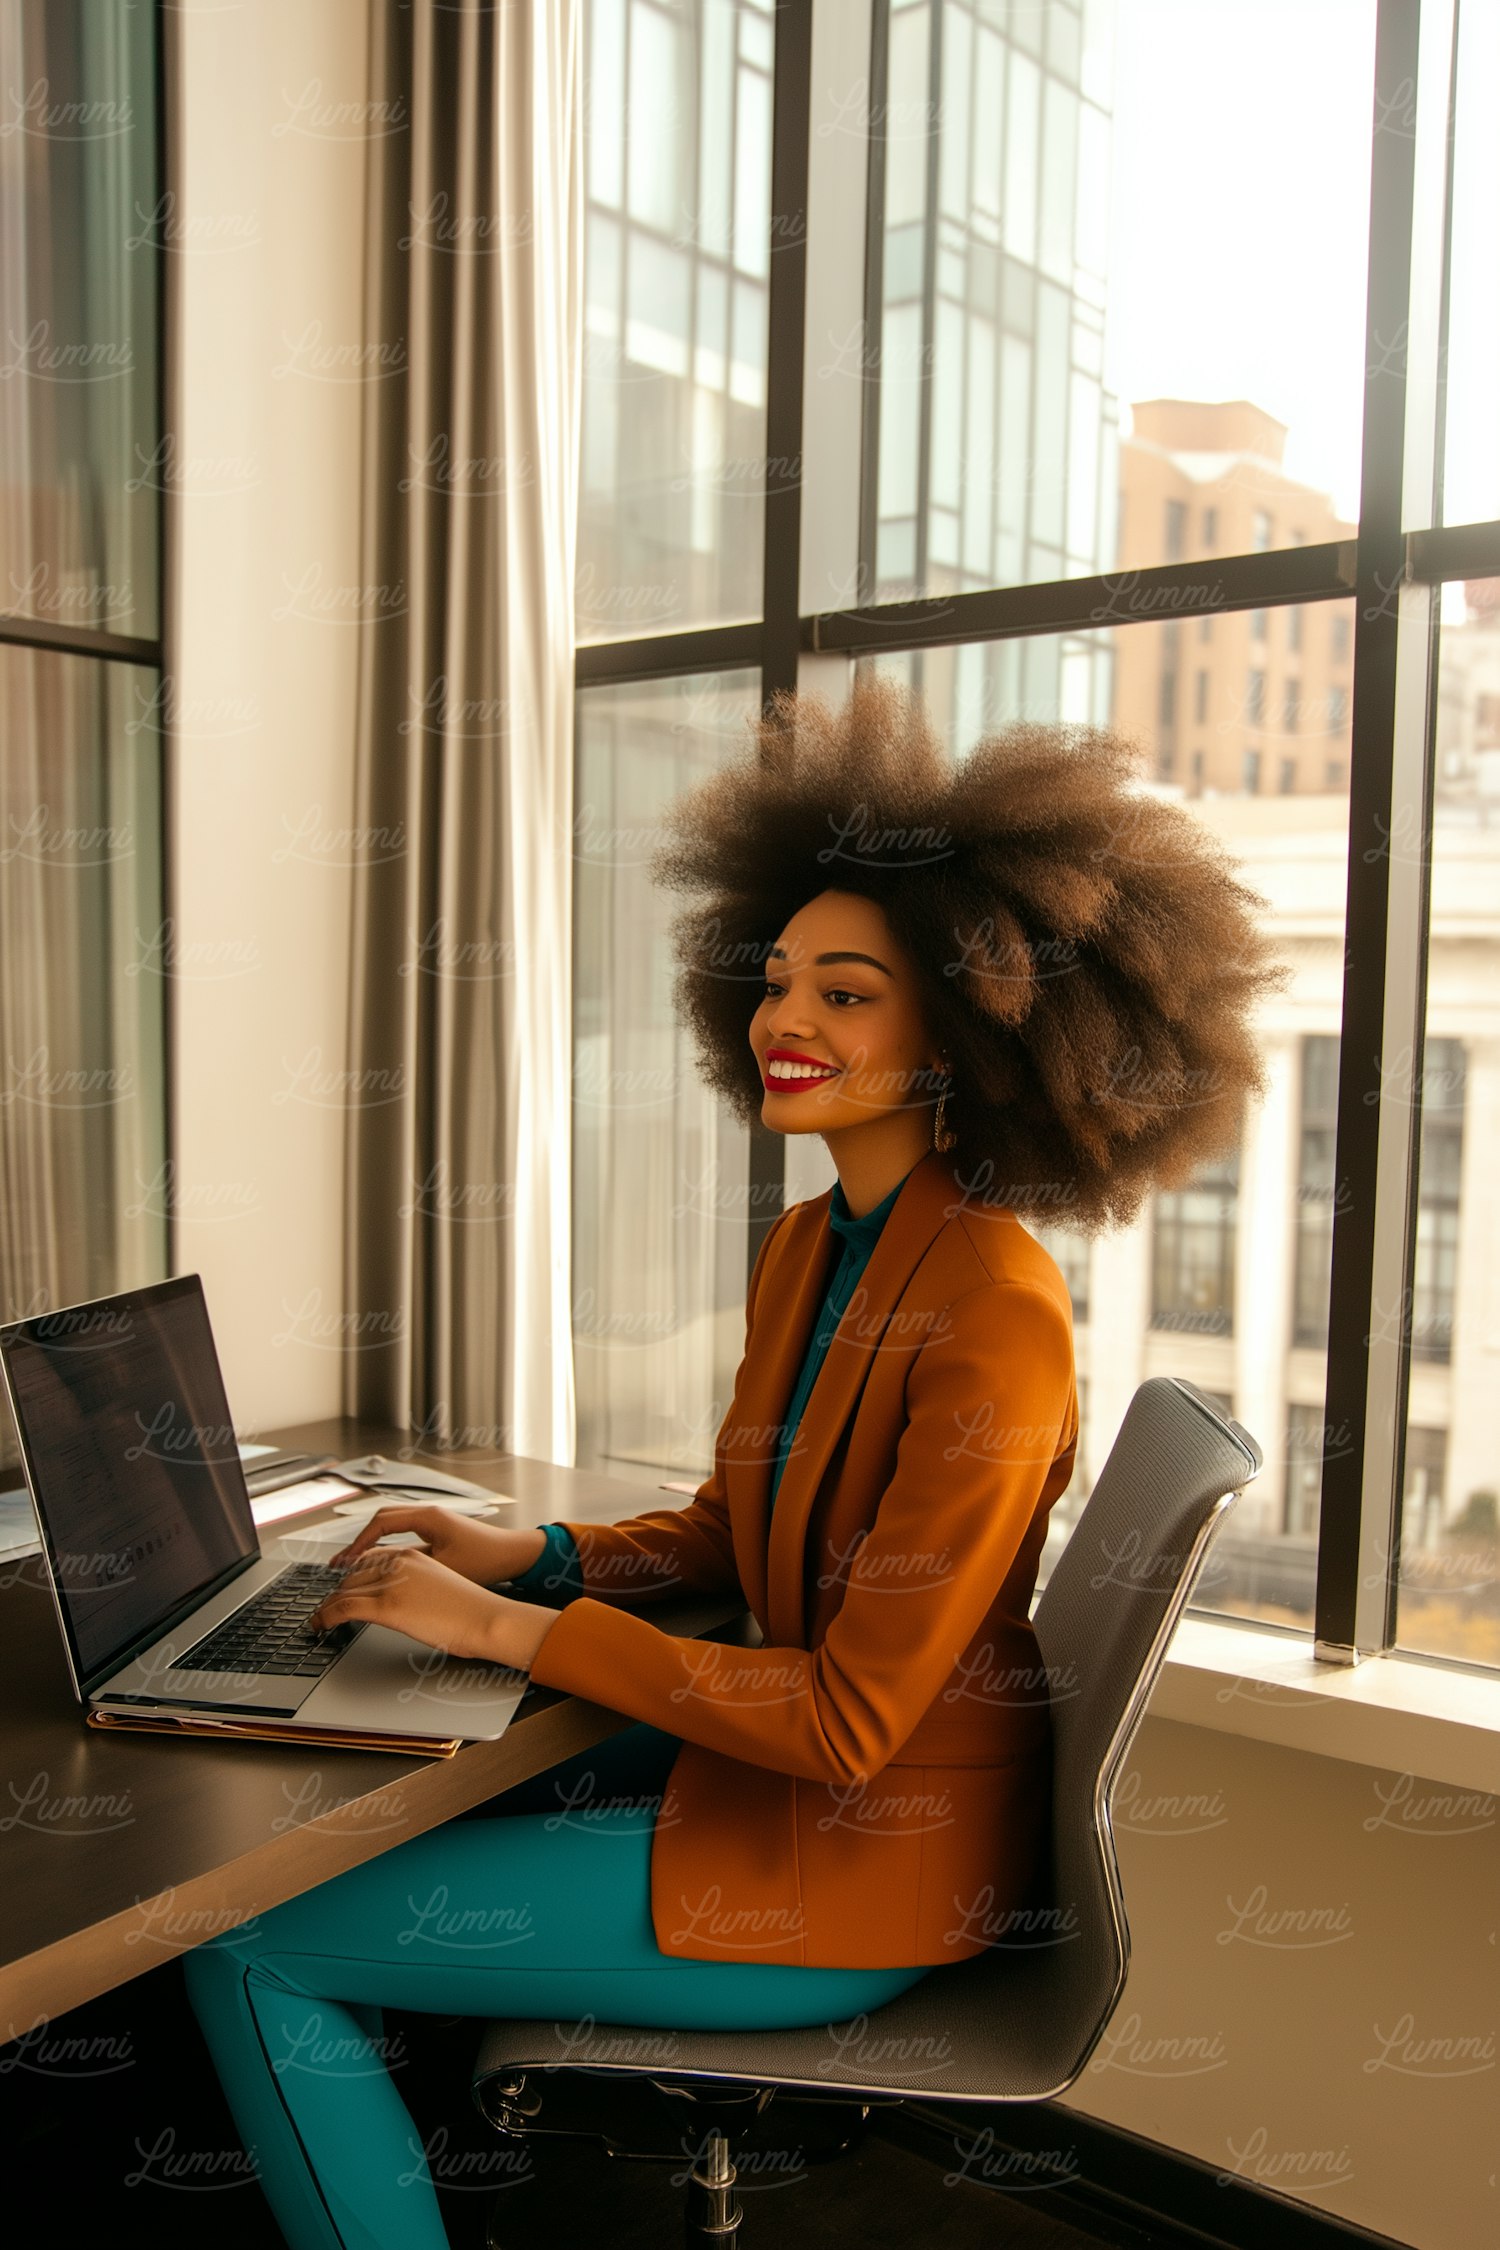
x: 1304, y: 1454
x: 974, y: 443
x: 1004, y: 456
x: 675, y: 1293
x: 1072, y: 1254
x: 1192, y: 1274
x: 676, y: 295
x: 83, y: 1143
x: 1442, y: 1140
x: 1314, y: 1243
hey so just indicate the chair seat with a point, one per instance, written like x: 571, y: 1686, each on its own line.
x: 996, y: 2027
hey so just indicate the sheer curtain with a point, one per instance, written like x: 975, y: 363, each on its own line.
x: 461, y: 1034
x: 82, y: 1130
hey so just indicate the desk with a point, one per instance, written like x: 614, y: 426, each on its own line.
x: 118, y: 1852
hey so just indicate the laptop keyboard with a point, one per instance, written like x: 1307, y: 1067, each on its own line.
x: 270, y: 1634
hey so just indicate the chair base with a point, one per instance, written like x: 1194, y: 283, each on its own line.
x: 710, y: 2123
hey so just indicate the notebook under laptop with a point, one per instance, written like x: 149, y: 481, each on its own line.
x: 168, y: 1606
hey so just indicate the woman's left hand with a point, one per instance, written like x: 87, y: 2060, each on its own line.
x: 407, y: 1589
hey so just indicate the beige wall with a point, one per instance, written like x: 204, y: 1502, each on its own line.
x: 1311, y: 2005
x: 268, y: 215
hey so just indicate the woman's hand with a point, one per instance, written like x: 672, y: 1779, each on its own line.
x: 484, y: 1552
x: 417, y: 1594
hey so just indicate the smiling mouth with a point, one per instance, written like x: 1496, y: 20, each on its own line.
x: 796, y: 1084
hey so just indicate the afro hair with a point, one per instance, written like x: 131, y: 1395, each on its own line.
x: 1088, y: 959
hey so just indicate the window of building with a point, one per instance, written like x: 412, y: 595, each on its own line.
x: 1423, y: 1477
x: 1262, y: 530
x: 1210, y: 527
x: 1258, y: 625
x: 1304, y: 1471
x: 1167, y: 700
x: 1193, y: 1243
x: 1314, y: 1244
x: 1255, y: 695
x: 1291, y: 706
x: 1339, y: 636
x: 1176, y: 530
x: 1071, y: 1252
x: 1250, y: 772
x: 1440, y: 1163
x: 1205, y: 628
x: 1294, y: 628
x: 1166, y: 760
x: 1197, y: 772
x: 1338, y: 707
x: 1200, y: 698
x: 1286, y: 778
x: 1335, y: 773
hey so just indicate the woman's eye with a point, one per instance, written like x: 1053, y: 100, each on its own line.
x: 839, y: 993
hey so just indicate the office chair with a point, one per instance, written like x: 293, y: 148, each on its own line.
x: 1017, y: 2022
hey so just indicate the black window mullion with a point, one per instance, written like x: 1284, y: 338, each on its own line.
x: 786, y: 322
x: 1356, y: 1583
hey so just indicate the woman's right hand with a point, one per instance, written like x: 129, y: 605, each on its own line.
x: 485, y: 1552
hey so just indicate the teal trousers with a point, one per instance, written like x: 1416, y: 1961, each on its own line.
x: 537, y: 1904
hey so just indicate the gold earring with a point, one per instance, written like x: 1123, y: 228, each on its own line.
x: 943, y: 1137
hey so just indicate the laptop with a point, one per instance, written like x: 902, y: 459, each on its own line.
x: 169, y: 1608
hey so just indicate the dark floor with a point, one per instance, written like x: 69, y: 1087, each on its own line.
x: 122, y: 2119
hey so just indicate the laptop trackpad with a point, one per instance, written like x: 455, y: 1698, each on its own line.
x: 388, y: 1680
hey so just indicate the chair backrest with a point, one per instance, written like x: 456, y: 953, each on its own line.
x: 1105, y: 1618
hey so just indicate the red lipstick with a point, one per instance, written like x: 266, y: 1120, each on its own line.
x: 794, y: 1085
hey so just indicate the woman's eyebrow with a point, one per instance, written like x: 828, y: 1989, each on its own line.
x: 822, y: 960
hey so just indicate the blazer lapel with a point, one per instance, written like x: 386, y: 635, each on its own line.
x: 773, y: 1577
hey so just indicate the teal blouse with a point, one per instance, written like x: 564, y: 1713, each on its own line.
x: 557, y: 1569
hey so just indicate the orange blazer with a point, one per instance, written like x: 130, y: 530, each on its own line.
x: 870, y: 1787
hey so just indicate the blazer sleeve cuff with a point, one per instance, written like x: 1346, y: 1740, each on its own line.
x: 602, y: 1653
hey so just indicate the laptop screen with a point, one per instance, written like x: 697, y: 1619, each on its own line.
x: 132, y: 1461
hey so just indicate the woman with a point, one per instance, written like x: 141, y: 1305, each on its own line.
x: 1013, y: 984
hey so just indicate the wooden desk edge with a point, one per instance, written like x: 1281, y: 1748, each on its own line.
x: 39, y: 1986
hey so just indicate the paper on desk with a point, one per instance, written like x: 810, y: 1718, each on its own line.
x: 413, y: 1480
x: 253, y: 1452
x: 18, y: 1526
x: 299, y: 1499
